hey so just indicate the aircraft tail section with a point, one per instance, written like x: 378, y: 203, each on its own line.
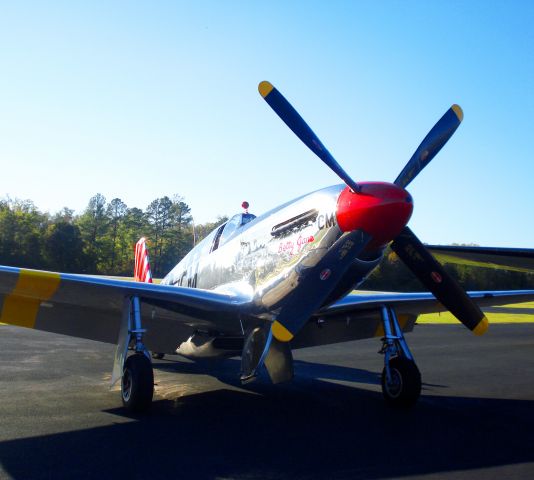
x: 142, y: 271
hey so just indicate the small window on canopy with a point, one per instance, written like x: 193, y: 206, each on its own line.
x: 234, y: 224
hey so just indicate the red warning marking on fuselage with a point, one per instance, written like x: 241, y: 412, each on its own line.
x: 436, y: 277
x: 325, y: 274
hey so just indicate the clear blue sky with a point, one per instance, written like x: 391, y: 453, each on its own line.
x: 138, y: 100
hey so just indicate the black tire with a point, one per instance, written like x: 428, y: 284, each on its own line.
x: 137, y: 385
x: 158, y: 355
x: 405, y: 387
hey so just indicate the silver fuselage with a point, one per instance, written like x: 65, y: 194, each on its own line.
x: 268, y: 258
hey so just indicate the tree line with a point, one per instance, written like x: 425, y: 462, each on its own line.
x: 100, y: 240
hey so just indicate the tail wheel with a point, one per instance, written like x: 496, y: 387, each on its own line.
x: 158, y: 355
x: 404, y: 386
x: 137, y: 386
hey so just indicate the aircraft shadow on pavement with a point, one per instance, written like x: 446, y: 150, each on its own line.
x: 227, y: 371
x: 315, y: 429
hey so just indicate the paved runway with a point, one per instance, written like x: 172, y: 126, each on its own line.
x: 475, y: 418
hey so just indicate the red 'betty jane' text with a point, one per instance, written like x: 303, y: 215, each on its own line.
x: 289, y: 246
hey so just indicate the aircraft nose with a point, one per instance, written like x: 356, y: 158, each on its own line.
x: 379, y: 209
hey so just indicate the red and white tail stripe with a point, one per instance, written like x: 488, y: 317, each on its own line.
x: 142, y: 264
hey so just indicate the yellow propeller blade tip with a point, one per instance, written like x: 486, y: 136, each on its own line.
x: 458, y: 111
x: 482, y: 326
x: 280, y: 332
x: 265, y: 88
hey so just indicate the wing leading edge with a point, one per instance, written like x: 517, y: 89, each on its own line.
x: 420, y: 302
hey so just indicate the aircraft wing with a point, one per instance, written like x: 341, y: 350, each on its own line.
x: 421, y: 302
x: 515, y: 259
x: 357, y: 316
x: 91, y: 307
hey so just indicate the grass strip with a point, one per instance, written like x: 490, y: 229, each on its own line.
x: 448, y: 318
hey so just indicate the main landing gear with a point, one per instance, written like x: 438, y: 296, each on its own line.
x: 137, y: 385
x: 135, y: 371
x: 401, y: 379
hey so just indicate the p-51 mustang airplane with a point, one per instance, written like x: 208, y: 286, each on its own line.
x: 260, y: 286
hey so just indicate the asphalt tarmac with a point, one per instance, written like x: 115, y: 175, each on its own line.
x: 475, y: 418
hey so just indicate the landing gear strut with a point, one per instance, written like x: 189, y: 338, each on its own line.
x: 135, y: 371
x: 401, y: 379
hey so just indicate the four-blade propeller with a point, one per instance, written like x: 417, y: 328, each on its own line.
x: 407, y: 246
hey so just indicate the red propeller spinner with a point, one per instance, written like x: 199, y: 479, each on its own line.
x: 380, y: 209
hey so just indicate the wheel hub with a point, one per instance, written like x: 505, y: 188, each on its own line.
x: 126, y: 385
x: 394, y: 385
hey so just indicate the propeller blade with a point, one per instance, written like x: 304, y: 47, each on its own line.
x: 431, y: 145
x: 301, y: 129
x: 433, y: 276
